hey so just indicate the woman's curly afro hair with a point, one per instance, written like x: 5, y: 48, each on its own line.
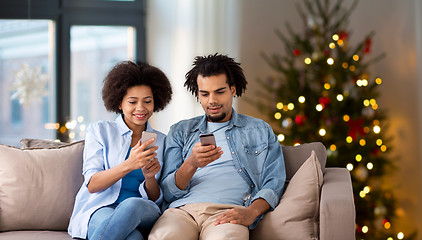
x: 128, y: 74
x: 213, y: 65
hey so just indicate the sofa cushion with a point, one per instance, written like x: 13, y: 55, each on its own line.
x: 41, y: 143
x: 296, y: 216
x: 295, y: 156
x: 38, y: 186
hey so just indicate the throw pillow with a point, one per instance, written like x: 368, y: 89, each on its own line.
x: 38, y: 186
x: 296, y: 216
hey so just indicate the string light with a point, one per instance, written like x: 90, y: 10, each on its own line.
x: 332, y: 45
x: 376, y: 122
x: 379, y: 142
x: 377, y: 129
x: 340, y: 42
x: 279, y: 105
x: 387, y: 225
x: 327, y: 86
x: 378, y: 81
x: 319, y: 107
x: 340, y: 97
x: 290, y: 106
x: 349, y: 139
x: 365, y: 229
x: 333, y: 147
x: 366, y: 102
x: 307, y: 60
x: 349, y: 166
x: 400, y: 235
x: 277, y: 115
x: 362, y: 194
x: 335, y: 37
x: 301, y: 99
x: 356, y: 57
x: 362, y: 142
x: 345, y: 65
x: 352, y: 68
x: 383, y: 148
x: 322, y: 132
x: 367, y: 189
x: 370, y: 166
x: 358, y: 157
x: 346, y: 118
x: 280, y: 137
x: 285, y: 108
x: 330, y: 61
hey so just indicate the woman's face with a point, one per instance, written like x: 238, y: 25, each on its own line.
x: 137, y: 106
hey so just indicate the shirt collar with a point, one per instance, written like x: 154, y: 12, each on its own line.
x: 123, y: 128
x: 234, y: 121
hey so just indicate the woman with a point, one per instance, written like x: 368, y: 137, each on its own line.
x: 120, y: 195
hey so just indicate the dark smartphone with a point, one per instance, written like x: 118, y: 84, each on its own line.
x: 207, y: 139
x: 147, y: 136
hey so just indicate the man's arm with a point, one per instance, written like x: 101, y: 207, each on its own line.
x: 178, y: 172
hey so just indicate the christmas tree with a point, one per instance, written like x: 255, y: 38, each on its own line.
x: 324, y: 92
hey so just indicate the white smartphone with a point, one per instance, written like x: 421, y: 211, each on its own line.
x: 147, y: 136
x: 207, y: 139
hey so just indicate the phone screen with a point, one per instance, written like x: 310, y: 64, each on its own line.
x: 147, y: 136
x: 207, y: 139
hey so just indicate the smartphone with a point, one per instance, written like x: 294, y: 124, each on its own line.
x: 207, y: 139
x: 147, y: 136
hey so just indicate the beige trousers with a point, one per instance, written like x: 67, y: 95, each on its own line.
x: 196, y: 221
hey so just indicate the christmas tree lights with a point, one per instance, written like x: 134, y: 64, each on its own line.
x: 323, y: 92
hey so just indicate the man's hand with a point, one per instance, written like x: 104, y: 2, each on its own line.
x: 242, y: 216
x: 201, y: 156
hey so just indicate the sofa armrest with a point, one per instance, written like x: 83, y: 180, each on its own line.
x: 337, y: 207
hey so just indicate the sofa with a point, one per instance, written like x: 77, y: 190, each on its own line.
x: 39, y: 181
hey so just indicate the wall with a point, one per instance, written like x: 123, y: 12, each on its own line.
x: 397, y: 27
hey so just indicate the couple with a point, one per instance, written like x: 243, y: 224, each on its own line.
x: 209, y: 192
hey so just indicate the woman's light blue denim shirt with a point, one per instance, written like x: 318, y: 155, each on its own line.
x: 257, y: 155
x: 106, y: 146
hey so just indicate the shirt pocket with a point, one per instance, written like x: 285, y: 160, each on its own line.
x: 256, y: 155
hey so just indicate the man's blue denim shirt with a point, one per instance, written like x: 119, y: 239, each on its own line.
x: 257, y: 156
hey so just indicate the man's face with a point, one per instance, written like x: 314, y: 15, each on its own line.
x: 216, y: 97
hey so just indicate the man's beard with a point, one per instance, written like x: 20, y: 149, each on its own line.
x: 216, y: 118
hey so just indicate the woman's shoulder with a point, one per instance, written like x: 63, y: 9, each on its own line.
x: 101, y: 127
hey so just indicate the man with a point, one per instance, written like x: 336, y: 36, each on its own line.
x: 218, y: 192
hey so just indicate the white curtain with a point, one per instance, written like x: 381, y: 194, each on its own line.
x: 179, y: 30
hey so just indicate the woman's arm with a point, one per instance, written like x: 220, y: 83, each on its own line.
x: 138, y: 158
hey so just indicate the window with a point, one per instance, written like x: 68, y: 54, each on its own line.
x: 69, y: 45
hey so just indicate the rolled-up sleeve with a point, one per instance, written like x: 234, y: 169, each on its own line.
x: 274, y: 173
x: 93, y: 154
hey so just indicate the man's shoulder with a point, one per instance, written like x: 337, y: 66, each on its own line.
x: 187, y: 123
x: 251, y: 121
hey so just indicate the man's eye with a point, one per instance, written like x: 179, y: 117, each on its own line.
x: 132, y: 102
x: 204, y: 94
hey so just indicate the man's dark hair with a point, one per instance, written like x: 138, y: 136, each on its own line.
x: 128, y: 74
x: 213, y: 65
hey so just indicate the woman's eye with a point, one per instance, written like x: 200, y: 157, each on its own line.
x: 132, y: 102
x: 148, y: 101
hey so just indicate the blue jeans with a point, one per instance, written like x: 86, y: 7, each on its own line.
x: 130, y: 220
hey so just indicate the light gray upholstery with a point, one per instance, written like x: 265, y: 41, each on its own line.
x: 337, y: 209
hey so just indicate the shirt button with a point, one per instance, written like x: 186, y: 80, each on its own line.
x: 256, y: 152
x: 252, y: 186
x: 240, y: 170
x: 232, y: 152
x: 228, y: 137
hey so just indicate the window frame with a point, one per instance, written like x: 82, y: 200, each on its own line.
x: 68, y: 13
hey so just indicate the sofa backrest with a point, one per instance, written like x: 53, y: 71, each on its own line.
x: 295, y: 156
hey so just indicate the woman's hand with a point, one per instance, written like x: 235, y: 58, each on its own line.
x: 139, y: 157
x: 151, y: 168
